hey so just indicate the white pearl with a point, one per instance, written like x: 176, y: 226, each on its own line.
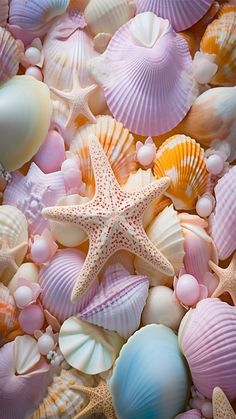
x: 207, y: 410
x: 23, y: 296
x: 215, y: 164
x: 204, y: 207
x: 145, y: 155
x: 34, y: 72
x: 33, y: 55
x: 45, y: 344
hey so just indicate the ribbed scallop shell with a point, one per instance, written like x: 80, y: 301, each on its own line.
x: 146, y: 74
x: 182, y: 159
x: 4, y: 6
x: 13, y: 228
x: 9, y: 326
x: 26, y: 353
x: 220, y: 39
x: 223, y: 220
x: 10, y: 55
x: 61, y: 401
x: 182, y: 14
x: 118, y: 144
x: 207, y: 337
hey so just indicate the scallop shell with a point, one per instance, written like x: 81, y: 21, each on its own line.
x: 207, y: 337
x: 10, y: 55
x: 182, y: 14
x: 4, y: 6
x: 220, y: 40
x: 108, y: 15
x: 26, y: 354
x: 23, y: 99
x: 118, y: 144
x: 149, y: 371
x: 182, y: 159
x: 58, y: 121
x: 87, y: 347
x: 147, y: 75
x: 118, y: 302
x: 223, y: 220
x: 9, y: 326
x: 62, y: 401
x: 166, y: 234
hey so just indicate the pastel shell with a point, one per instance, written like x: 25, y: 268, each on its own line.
x: 28, y: 271
x: 118, y: 302
x: 26, y: 354
x: 190, y: 414
x: 220, y: 40
x: 118, y: 144
x: 149, y: 367
x: 146, y: 71
x: 10, y: 55
x: 222, y: 221
x: 182, y: 159
x: 87, y: 347
x: 23, y: 98
x: 4, y: 6
x: 207, y: 337
x: 182, y: 14
x: 9, y: 326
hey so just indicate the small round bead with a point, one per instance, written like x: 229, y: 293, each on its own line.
x: 23, y: 296
x: 215, y: 164
x: 187, y: 290
x: 145, y: 155
x: 31, y: 318
x: 34, y: 72
x: 207, y: 410
x: 45, y: 344
x: 204, y: 206
x: 40, y: 251
x: 33, y: 55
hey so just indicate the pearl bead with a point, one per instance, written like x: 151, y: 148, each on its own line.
x: 40, y: 251
x: 187, y: 290
x: 34, y: 72
x: 45, y: 344
x: 31, y: 318
x: 33, y: 55
x: 145, y: 155
x: 207, y: 410
x: 204, y: 206
x: 215, y: 164
x: 23, y: 296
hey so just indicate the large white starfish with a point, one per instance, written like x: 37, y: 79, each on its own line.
x: 113, y: 220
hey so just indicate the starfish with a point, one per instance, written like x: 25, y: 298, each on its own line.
x: 100, y: 400
x: 227, y: 279
x: 8, y: 256
x: 222, y: 408
x: 113, y: 220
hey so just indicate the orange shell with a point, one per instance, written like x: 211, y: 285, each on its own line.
x: 9, y: 326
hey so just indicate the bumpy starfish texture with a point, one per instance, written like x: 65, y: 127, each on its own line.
x: 227, y: 279
x: 8, y: 256
x: 113, y: 221
x: 100, y: 400
x: 222, y: 408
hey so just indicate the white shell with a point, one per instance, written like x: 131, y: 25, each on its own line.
x: 26, y: 353
x: 13, y: 228
x: 27, y: 271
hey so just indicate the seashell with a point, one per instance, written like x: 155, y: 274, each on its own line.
x: 182, y: 159
x: 53, y: 144
x: 220, y: 40
x: 61, y: 400
x: 26, y: 354
x: 31, y: 318
x: 10, y: 55
x: 182, y: 14
x: 58, y: 121
x: 28, y: 271
x: 87, y: 347
x: 141, y: 55
x: 9, y: 326
x: 22, y: 99
x: 222, y: 221
x: 4, y: 6
x: 107, y: 16
x: 149, y: 367
x: 118, y: 144
x: 190, y: 414
x: 166, y: 234
x: 207, y: 339
x: 118, y: 302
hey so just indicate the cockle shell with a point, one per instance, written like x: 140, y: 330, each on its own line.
x: 9, y: 326
x: 118, y: 144
x: 28, y: 271
x: 207, y: 337
x: 22, y: 99
x: 182, y: 159
x: 10, y: 55
x: 87, y: 347
x: 146, y: 72
x: 223, y: 219
x: 61, y: 400
x: 4, y: 6
x: 182, y: 14
x: 149, y: 371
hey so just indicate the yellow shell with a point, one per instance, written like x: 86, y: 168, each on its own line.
x: 220, y: 39
x: 9, y: 327
x: 182, y: 159
x: 118, y: 144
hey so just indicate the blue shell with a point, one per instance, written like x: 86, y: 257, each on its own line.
x: 150, y: 378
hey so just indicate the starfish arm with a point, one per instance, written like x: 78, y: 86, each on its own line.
x: 221, y: 405
x: 67, y: 214
x: 66, y: 96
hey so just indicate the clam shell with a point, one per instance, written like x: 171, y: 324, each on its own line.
x: 182, y: 14
x: 149, y: 371
x: 220, y: 39
x: 28, y: 271
x: 182, y: 159
x: 10, y: 55
x: 146, y: 72
x: 23, y: 99
x: 207, y: 337
x: 9, y: 326
x: 87, y: 347
x: 26, y: 353
x: 4, y: 6
x: 223, y: 219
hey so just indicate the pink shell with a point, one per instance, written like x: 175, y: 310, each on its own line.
x: 53, y: 146
x: 10, y: 55
x: 190, y: 414
x: 207, y: 337
x: 31, y: 318
x: 182, y: 14
x: 4, y: 6
x: 223, y: 220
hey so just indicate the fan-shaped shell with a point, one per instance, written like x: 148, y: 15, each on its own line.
x: 146, y: 74
x: 13, y: 228
x: 207, y: 337
x: 10, y: 55
x: 182, y: 14
x: 220, y: 39
x: 118, y: 144
x: 182, y: 159
x: 26, y: 353
x: 149, y: 371
x: 223, y: 220
x: 23, y: 99
x: 9, y: 326
x: 87, y: 347
x: 4, y: 6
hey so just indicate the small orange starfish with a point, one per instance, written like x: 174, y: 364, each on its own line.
x: 222, y: 408
x: 100, y: 400
x: 227, y: 279
x: 8, y: 257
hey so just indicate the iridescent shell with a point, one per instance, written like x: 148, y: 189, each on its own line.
x: 10, y: 55
x: 4, y: 6
x: 9, y: 326
x: 182, y: 159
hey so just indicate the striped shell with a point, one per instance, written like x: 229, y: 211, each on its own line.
x: 10, y: 55
x: 4, y: 6
x: 220, y: 39
x: 9, y: 326
x: 182, y: 159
